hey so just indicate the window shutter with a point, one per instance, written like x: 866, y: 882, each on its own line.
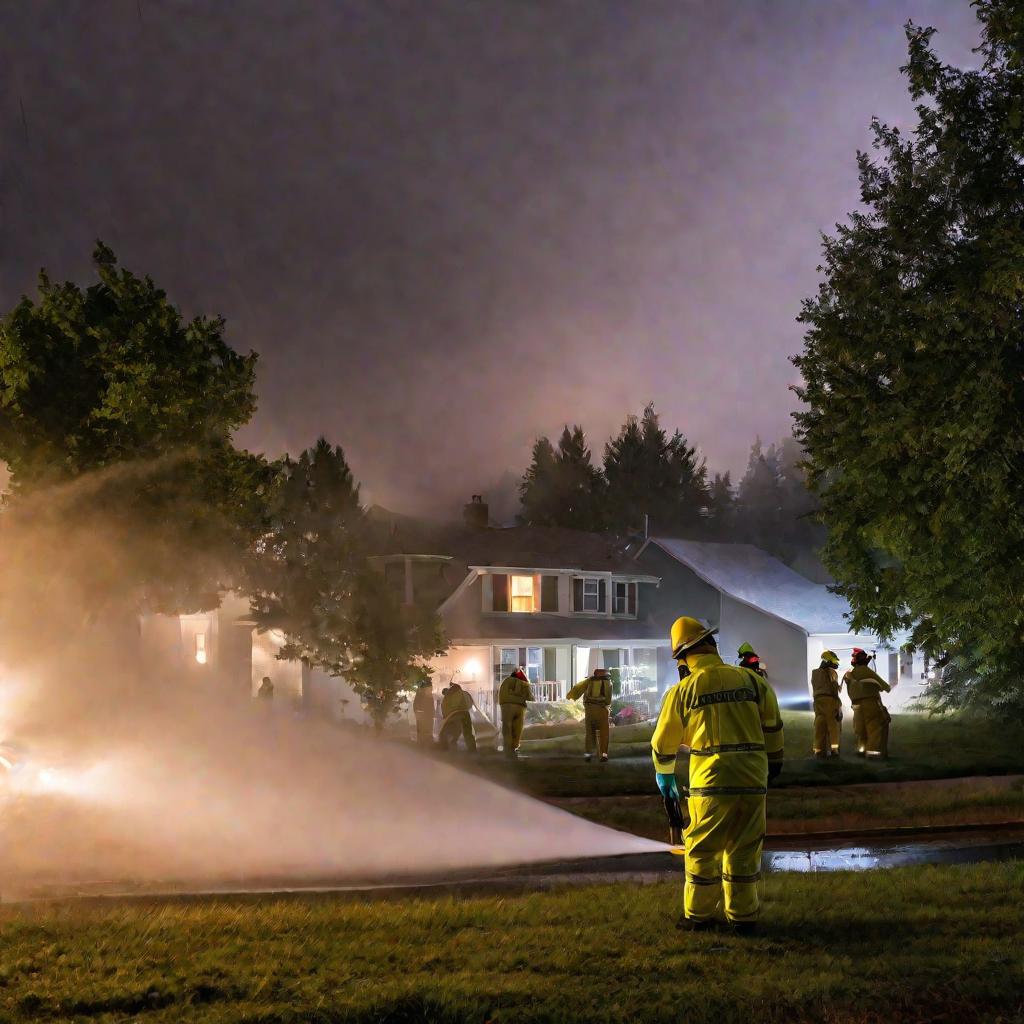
x: 549, y: 594
x: 602, y: 595
x: 577, y: 595
x: 499, y: 587
x: 631, y: 599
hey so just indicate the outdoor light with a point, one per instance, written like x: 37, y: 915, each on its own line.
x: 471, y: 668
x: 201, y: 648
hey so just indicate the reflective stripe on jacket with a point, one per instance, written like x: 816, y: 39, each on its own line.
x: 729, y: 718
x: 825, y: 682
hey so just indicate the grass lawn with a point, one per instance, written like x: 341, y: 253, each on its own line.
x: 811, y: 809
x: 913, y: 945
x: 921, y: 747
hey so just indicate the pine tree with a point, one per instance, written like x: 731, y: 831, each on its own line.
x: 650, y: 474
x: 562, y: 487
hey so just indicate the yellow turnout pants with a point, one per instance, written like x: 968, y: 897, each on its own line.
x: 828, y: 720
x: 458, y: 722
x: 871, y: 724
x: 596, y: 722
x: 723, y: 855
x: 512, y: 718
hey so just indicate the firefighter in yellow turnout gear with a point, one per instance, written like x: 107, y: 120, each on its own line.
x: 513, y: 694
x: 596, y: 691
x: 729, y: 718
x: 457, y: 707
x: 870, y: 718
x: 423, y: 708
x: 828, y: 708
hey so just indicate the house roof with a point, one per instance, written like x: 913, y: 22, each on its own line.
x: 526, y: 547
x: 755, y: 578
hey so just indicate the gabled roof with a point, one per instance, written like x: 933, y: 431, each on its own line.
x: 526, y: 547
x: 755, y: 578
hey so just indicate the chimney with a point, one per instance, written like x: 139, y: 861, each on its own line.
x: 475, y: 513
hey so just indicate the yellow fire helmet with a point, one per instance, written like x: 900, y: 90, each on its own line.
x: 830, y: 658
x: 687, y: 633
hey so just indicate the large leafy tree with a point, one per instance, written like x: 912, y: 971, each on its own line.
x: 111, y: 380
x: 113, y: 373
x: 650, y: 473
x: 913, y: 371
x: 562, y: 487
x: 310, y: 579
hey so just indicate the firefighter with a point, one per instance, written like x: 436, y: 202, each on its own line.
x: 513, y: 694
x: 729, y: 718
x: 457, y: 707
x: 596, y: 691
x: 749, y: 659
x: 870, y: 718
x: 828, y: 708
x: 266, y: 690
x: 423, y: 708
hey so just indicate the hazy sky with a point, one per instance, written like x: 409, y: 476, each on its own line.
x: 448, y: 227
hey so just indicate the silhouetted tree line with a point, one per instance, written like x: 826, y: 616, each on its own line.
x: 649, y: 479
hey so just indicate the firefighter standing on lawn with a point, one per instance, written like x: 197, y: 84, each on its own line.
x: 423, y: 708
x: 828, y: 708
x: 513, y: 694
x: 729, y: 718
x: 870, y: 718
x: 596, y: 691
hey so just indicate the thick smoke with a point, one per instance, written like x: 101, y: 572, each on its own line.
x: 132, y: 775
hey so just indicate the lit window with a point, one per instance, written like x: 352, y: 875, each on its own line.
x: 522, y: 594
x: 592, y: 596
x: 201, y: 648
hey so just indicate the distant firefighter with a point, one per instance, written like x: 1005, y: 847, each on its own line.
x: 828, y: 708
x: 423, y: 708
x: 870, y: 718
x: 456, y: 708
x: 266, y: 690
x: 513, y: 694
x: 729, y: 718
x: 750, y: 659
x: 596, y: 691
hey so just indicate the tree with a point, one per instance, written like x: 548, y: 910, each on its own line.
x: 722, y: 504
x: 913, y: 371
x: 392, y: 645
x: 311, y: 580
x: 304, y: 572
x: 563, y: 487
x: 113, y: 374
x: 111, y: 381
x: 651, y: 474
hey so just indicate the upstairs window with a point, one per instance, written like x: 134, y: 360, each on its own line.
x: 623, y: 598
x: 589, y: 595
x: 522, y: 592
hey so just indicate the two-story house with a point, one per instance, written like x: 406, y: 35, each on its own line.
x: 557, y: 602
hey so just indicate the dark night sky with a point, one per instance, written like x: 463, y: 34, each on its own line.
x: 447, y: 226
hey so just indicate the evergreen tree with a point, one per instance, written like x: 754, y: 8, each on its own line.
x: 651, y: 474
x: 913, y: 371
x: 722, y: 505
x: 562, y: 487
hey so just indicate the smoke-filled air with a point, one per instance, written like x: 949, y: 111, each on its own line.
x: 123, y: 773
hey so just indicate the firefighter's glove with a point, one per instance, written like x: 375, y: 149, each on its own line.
x: 668, y: 785
x: 774, y: 770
